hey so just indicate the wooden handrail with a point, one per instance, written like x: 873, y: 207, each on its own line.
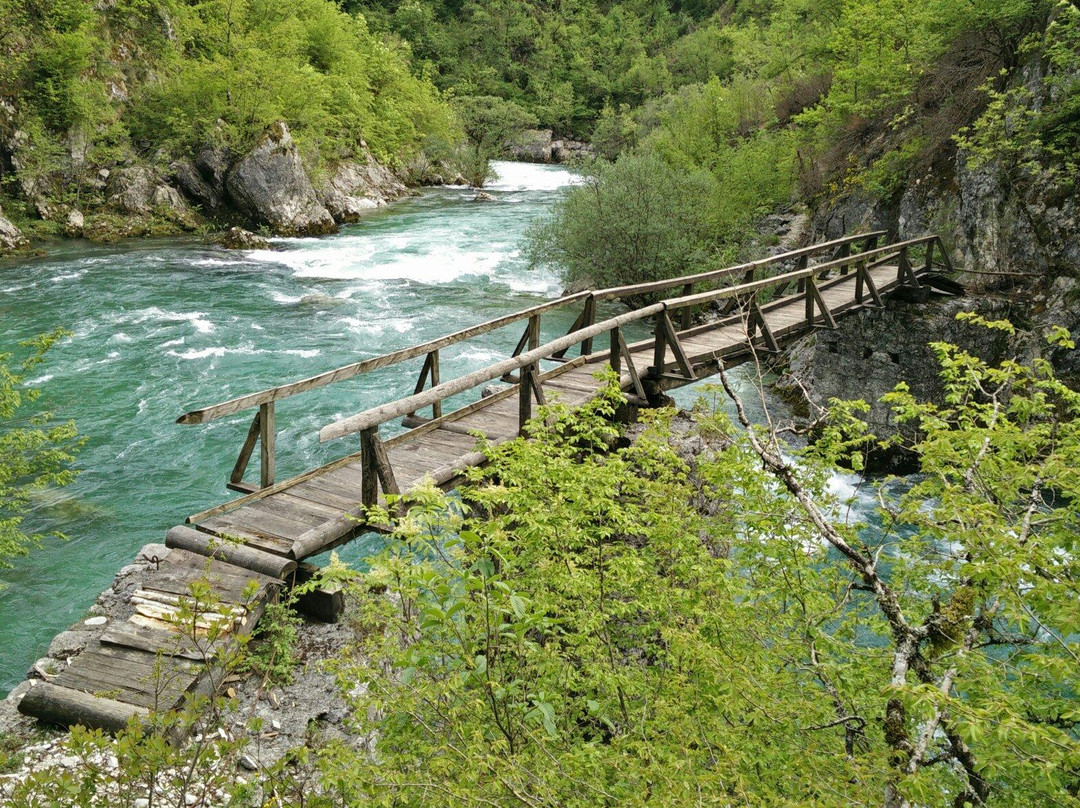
x: 716, y: 274
x: 387, y: 412
x: 375, y: 416
x: 272, y: 394
x: 201, y: 416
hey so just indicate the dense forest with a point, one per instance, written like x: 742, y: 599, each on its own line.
x: 748, y: 106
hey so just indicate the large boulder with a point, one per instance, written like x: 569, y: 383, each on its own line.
x: 270, y: 187
x: 10, y: 236
x: 354, y: 187
x: 206, y: 190
x: 140, y: 191
x: 532, y: 146
x: 131, y: 189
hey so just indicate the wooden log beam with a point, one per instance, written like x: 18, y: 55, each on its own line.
x: 239, y: 555
x: 66, y: 707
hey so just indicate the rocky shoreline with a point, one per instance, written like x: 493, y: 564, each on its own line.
x: 267, y: 190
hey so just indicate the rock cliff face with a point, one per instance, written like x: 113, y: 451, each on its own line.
x: 1014, y: 236
x: 270, y: 187
x: 10, y: 237
x: 355, y: 187
x: 868, y: 355
x: 541, y: 146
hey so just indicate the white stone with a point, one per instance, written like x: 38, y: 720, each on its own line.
x: 96, y: 621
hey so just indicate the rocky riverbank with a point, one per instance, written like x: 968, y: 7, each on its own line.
x: 268, y: 189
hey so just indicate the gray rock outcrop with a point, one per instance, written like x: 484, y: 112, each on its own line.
x: 11, y: 238
x: 237, y: 238
x: 532, y: 146
x: 355, y: 186
x: 202, y: 182
x: 140, y: 191
x: 270, y: 187
x: 541, y: 146
x: 869, y: 354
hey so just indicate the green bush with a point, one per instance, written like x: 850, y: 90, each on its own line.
x: 634, y: 220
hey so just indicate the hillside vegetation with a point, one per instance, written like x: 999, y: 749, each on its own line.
x: 90, y: 86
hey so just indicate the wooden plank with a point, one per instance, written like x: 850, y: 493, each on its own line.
x: 256, y: 519
x: 226, y: 527
x: 158, y: 641
x: 316, y: 496
x: 295, y: 512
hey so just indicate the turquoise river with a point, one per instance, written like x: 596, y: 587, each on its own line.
x: 163, y: 326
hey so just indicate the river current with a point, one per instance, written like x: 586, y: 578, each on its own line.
x: 163, y: 326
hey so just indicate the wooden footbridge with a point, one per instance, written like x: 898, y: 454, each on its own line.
x: 263, y: 534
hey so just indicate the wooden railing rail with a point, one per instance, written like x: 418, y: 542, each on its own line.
x: 617, y: 292
x: 840, y: 247
x: 665, y: 334
x: 526, y: 355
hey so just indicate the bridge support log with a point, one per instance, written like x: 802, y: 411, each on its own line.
x: 65, y: 707
x: 250, y: 558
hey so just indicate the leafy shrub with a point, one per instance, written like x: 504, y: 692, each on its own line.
x: 634, y: 220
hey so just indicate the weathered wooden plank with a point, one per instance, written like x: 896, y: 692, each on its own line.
x: 158, y: 641
x: 263, y: 523
x: 227, y: 528
x: 279, y: 506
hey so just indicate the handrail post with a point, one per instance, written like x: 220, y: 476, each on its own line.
x: 615, y: 352
x: 266, y: 444
x: 809, y: 300
x: 930, y: 255
x: 433, y: 358
x: 534, y: 332
x: 525, y: 396
x: 588, y: 319
x: 687, y: 311
x: 870, y: 243
x: 369, y: 475
x: 659, y: 346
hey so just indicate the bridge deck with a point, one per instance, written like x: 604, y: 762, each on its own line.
x: 330, y: 497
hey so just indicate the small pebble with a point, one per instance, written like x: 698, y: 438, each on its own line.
x: 69, y: 761
x: 275, y: 724
x: 249, y: 763
x: 141, y: 802
x: 96, y: 621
